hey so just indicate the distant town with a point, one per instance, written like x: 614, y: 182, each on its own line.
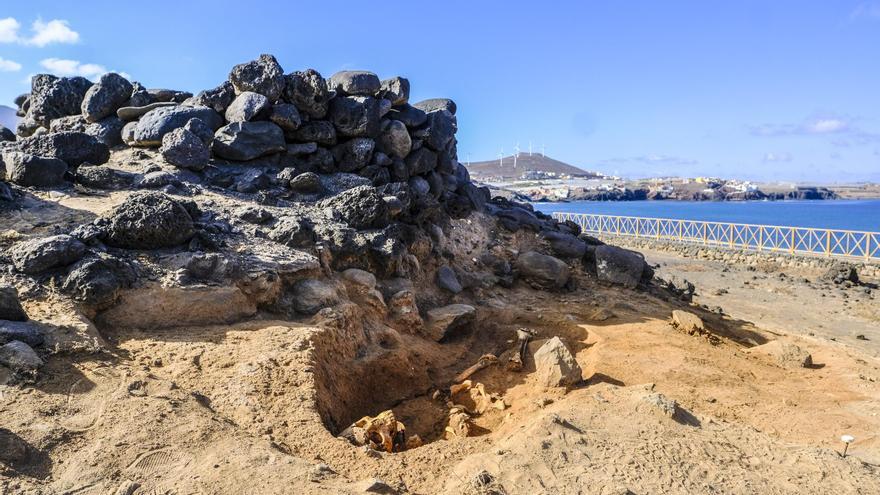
x: 539, y: 178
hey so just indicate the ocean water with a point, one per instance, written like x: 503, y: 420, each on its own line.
x: 833, y: 214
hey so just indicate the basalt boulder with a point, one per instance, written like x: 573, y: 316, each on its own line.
x: 33, y: 171
x: 46, y: 253
x: 102, y: 177
x: 621, y: 266
x: 242, y: 141
x: 396, y: 90
x: 441, y: 129
x: 73, y: 148
x: 148, y: 220
x: 10, y: 305
x: 360, y: 208
x: 184, y: 149
x: 247, y: 106
x: 355, y: 116
x: 106, y: 96
x: 353, y: 154
x: 156, y: 123
x: 411, y: 116
x: 6, y: 134
x: 98, y: 280
x: 308, y: 91
x: 421, y: 161
x: 354, y: 83
x: 315, y: 131
x: 53, y: 97
x: 285, y: 116
x: 263, y: 75
x: 542, y: 270
x: 218, y: 98
x: 436, y: 104
x: 395, y: 140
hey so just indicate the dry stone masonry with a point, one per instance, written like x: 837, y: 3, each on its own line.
x: 260, y: 193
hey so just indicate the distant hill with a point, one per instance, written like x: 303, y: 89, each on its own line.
x: 505, y: 169
x: 8, y: 118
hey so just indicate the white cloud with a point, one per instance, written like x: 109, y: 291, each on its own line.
x: 813, y: 125
x: 43, y: 33
x: 54, y: 31
x: 9, y: 30
x: 9, y: 65
x: 65, y: 67
x: 777, y: 157
x: 826, y: 126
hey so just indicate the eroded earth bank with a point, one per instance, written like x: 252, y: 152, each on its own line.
x: 288, y: 284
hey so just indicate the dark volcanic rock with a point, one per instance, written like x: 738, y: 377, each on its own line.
x: 6, y: 134
x: 316, y: 131
x: 361, y: 208
x: 10, y: 306
x: 436, y: 104
x: 306, y: 183
x: 620, y: 266
x: 98, y: 280
x: 247, y: 106
x: 106, y: 96
x: 395, y: 140
x: 311, y: 295
x: 156, y: 123
x: 294, y: 232
x: 20, y: 358
x: 411, y: 116
x: 355, y: 116
x: 129, y: 114
x: 355, y: 83
x: 242, y: 141
x: 201, y: 130
x: 263, y: 75
x: 542, y: 270
x: 148, y: 221
x: 353, y: 154
x: 184, y: 149
x: 73, y: 148
x: 841, y: 273
x: 308, y: 91
x: 396, y: 90
x: 101, y: 177
x: 166, y: 95
x: 53, y: 97
x: 448, y: 280
x: 40, y: 255
x: 218, y: 98
x: 441, y: 129
x: 421, y: 161
x: 33, y: 171
x: 285, y: 116
x: 29, y: 332
x: 564, y: 245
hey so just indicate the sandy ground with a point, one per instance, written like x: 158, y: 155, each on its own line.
x: 783, y: 300
x: 231, y: 409
x: 255, y: 406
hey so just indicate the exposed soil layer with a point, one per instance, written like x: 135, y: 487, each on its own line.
x: 233, y: 408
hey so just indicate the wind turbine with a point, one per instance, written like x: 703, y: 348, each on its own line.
x: 516, y: 154
x: 542, y: 151
x: 501, y: 158
x: 530, y: 148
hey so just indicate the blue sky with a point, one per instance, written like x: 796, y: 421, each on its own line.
x: 786, y: 90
